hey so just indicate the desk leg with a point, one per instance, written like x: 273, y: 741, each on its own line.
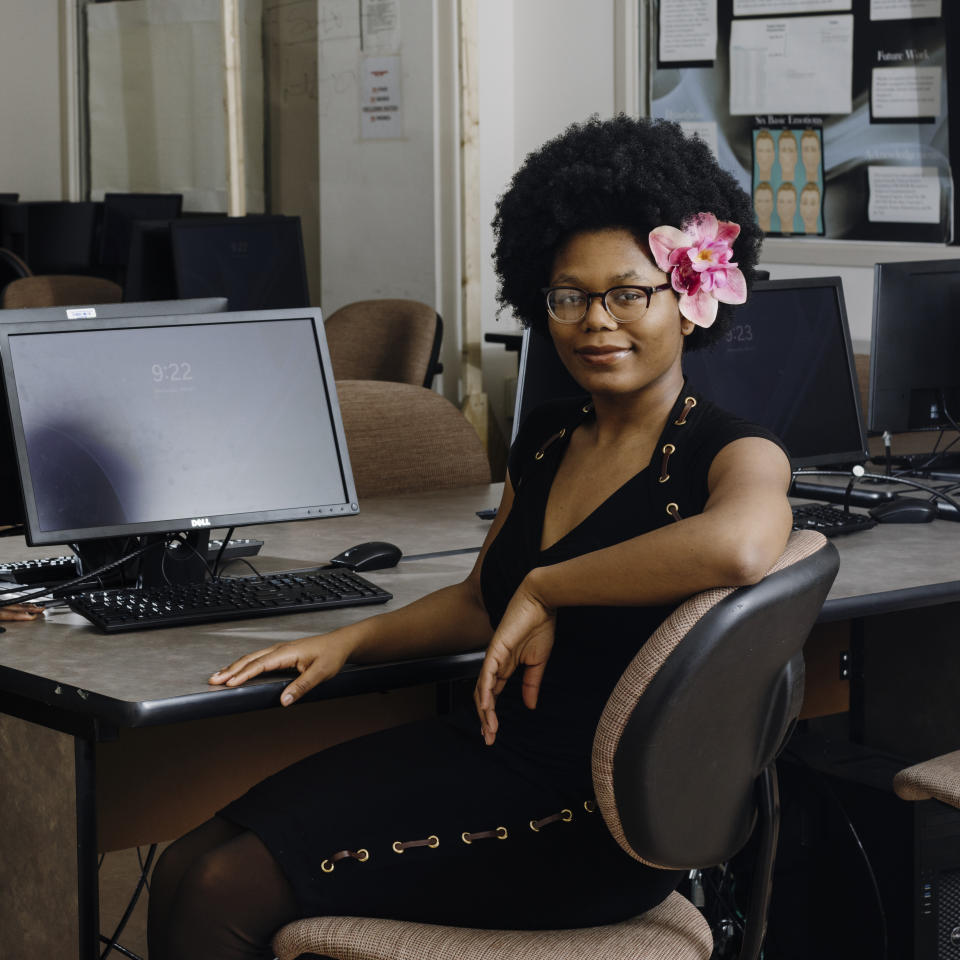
x: 48, y: 861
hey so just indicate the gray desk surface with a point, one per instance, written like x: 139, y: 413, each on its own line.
x: 159, y: 675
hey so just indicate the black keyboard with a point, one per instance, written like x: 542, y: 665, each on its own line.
x: 830, y: 521
x: 228, y: 598
x: 57, y: 570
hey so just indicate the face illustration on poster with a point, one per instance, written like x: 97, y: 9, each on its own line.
x: 787, y: 154
x: 810, y: 154
x: 810, y: 208
x: 763, y: 205
x: 786, y: 206
x: 765, y: 153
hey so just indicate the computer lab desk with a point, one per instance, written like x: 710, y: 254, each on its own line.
x: 110, y: 741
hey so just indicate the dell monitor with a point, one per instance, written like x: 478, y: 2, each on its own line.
x: 915, y: 347
x: 786, y: 364
x: 11, y: 502
x: 121, y: 210
x: 138, y: 429
x: 257, y: 262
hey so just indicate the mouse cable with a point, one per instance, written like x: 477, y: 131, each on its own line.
x: 858, y: 473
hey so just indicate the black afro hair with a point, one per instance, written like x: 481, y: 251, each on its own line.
x: 633, y: 174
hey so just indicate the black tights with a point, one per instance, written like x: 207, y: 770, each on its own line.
x: 217, y: 893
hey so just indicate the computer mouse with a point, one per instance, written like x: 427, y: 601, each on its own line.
x: 904, y: 510
x: 373, y: 555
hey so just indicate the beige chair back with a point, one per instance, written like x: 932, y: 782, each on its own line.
x: 59, y: 290
x: 403, y: 438
x: 384, y: 340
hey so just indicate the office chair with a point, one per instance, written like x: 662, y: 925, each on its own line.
x: 12, y: 267
x: 683, y: 768
x: 53, y: 290
x: 385, y: 340
x: 403, y: 438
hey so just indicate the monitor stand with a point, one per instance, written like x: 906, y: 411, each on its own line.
x: 156, y: 566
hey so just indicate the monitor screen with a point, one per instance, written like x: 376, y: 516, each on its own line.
x: 60, y: 236
x: 915, y: 345
x: 121, y: 210
x: 11, y: 501
x: 786, y: 364
x: 257, y: 262
x: 215, y: 420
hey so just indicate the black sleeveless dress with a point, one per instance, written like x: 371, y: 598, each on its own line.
x: 424, y: 821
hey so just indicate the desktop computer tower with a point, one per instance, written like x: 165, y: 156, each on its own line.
x: 860, y: 873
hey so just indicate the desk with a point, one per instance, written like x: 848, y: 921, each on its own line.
x: 86, y: 715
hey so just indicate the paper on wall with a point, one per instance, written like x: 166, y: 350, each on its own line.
x: 706, y: 130
x: 688, y: 31
x: 904, y: 195
x: 898, y: 93
x: 381, y: 116
x: 904, y: 9
x: 753, y: 8
x: 795, y: 65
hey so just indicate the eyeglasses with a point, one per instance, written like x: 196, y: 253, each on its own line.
x: 624, y: 304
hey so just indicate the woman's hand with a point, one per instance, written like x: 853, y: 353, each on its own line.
x: 316, y: 658
x: 525, y: 636
x: 20, y: 611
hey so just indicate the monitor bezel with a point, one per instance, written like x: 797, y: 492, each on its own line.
x: 172, y: 525
x: 886, y: 275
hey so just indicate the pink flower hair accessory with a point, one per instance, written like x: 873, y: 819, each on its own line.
x: 697, y: 260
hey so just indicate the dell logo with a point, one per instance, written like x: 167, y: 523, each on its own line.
x: 200, y: 522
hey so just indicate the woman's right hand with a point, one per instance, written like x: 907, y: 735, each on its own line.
x: 20, y: 611
x: 316, y: 658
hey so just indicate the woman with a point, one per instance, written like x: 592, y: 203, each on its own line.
x: 599, y: 535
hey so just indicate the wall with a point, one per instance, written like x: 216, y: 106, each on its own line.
x: 30, y: 59
x: 543, y: 64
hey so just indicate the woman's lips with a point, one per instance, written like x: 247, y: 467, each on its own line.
x: 602, y: 356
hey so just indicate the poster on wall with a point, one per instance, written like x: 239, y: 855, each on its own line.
x: 833, y: 114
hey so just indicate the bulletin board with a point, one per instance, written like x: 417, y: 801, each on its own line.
x: 832, y: 114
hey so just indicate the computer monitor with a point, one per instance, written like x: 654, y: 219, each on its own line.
x: 139, y: 429
x: 786, y: 364
x: 60, y: 236
x: 11, y: 500
x: 915, y: 347
x: 149, y: 273
x: 9, y: 197
x: 121, y: 210
x: 256, y: 262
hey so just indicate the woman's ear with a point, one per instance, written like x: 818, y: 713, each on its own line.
x: 686, y: 326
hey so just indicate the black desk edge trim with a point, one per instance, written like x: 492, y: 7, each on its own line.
x: 874, y: 604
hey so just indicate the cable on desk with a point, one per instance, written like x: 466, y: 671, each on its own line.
x: 858, y: 473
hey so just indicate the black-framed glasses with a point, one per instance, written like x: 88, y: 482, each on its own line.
x: 625, y: 303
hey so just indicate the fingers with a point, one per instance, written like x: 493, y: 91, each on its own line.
x: 305, y: 682
x: 20, y: 611
x: 532, y: 677
x: 251, y: 665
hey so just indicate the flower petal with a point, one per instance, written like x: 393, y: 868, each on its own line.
x: 702, y: 227
x: 663, y: 241
x: 701, y: 308
x: 734, y: 288
x: 727, y: 231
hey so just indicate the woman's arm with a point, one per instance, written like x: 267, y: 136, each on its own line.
x: 450, y: 620
x: 741, y: 532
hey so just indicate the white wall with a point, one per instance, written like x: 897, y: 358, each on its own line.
x: 30, y: 120
x: 543, y: 64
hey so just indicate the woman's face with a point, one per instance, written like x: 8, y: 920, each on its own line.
x: 606, y: 357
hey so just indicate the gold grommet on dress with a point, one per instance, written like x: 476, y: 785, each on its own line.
x: 666, y: 450
x: 534, y: 827
x: 590, y: 805
x: 566, y: 815
x: 502, y: 833
x: 434, y: 841
x: 673, y: 510
x: 326, y: 866
x: 688, y: 404
x: 365, y: 855
x: 397, y: 846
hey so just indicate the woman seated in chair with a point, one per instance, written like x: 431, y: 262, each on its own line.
x: 630, y: 244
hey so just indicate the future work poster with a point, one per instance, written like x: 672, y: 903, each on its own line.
x: 833, y: 114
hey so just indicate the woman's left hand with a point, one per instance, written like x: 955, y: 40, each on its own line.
x: 524, y: 637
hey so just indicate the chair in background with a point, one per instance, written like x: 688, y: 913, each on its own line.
x: 12, y: 267
x: 684, y: 768
x: 385, y: 340
x: 50, y: 290
x: 403, y: 438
